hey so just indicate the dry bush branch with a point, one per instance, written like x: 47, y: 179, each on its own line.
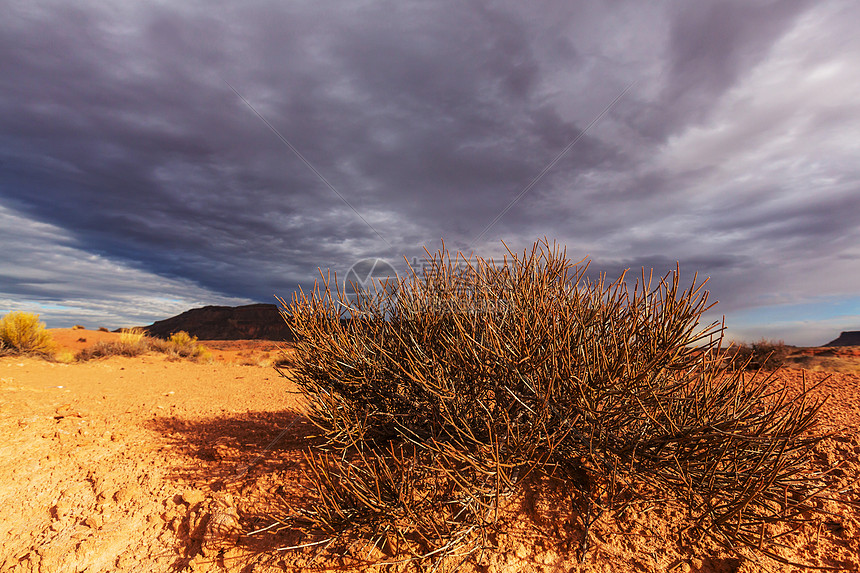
x: 438, y: 399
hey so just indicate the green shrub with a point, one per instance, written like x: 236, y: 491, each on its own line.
x: 22, y: 333
x: 465, y: 384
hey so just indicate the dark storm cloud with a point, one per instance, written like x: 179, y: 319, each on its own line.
x: 146, y: 156
x: 42, y: 271
x: 713, y: 43
x: 811, y: 225
x: 118, y: 131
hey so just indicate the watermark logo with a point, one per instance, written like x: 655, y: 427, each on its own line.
x: 440, y: 287
x: 371, y: 279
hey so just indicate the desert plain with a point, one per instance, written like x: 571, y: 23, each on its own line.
x: 154, y: 464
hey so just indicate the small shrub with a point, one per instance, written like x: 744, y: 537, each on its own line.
x: 22, y: 333
x: 131, y: 336
x: 283, y: 359
x: 103, y: 329
x: 182, y: 340
x: 65, y: 357
x: 182, y: 345
x: 77, y: 327
x: 438, y: 399
x: 762, y: 355
x: 115, y: 348
x: 134, y: 342
x: 203, y: 354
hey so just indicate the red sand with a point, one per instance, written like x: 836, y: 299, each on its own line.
x: 142, y: 464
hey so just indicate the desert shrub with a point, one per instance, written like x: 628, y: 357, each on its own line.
x: 103, y: 329
x: 203, y: 354
x: 441, y: 397
x: 78, y: 327
x: 182, y: 345
x: 187, y: 346
x: 183, y: 341
x: 134, y: 342
x: 22, y: 333
x: 132, y: 336
x: 105, y: 349
x: 65, y: 357
x: 762, y: 355
x: 283, y: 359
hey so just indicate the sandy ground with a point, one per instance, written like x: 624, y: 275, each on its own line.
x: 147, y: 464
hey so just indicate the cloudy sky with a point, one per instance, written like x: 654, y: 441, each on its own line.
x: 141, y: 175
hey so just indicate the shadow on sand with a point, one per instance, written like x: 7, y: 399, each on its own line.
x: 246, y: 467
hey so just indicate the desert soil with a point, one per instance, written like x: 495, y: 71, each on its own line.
x: 146, y: 464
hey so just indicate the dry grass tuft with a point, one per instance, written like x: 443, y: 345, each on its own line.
x: 132, y: 337
x: 841, y: 364
x: 134, y: 342
x: 762, y: 355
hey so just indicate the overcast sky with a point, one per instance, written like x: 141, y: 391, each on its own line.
x: 135, y: 183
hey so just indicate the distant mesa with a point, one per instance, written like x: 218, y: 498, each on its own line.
x: 253, y: 321
x: 848, y: 338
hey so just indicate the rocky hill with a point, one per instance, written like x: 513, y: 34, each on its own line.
x: 253, y: 321
x: 848, y: 338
